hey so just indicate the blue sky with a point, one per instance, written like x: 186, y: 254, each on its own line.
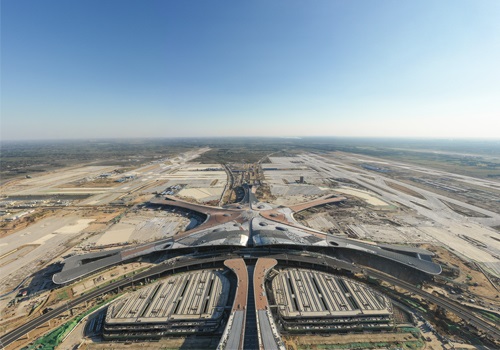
x: 92, y: 69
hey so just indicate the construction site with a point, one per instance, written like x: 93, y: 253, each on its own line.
x: 157, y: 237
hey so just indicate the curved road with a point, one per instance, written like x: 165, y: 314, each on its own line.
x: 461, y: 311
x: 37, y: 322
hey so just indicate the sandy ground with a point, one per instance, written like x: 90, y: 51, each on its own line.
x: 63, y: 181
x: 188, y: 343
x: 291, y: 200
x: 106, y: 276
x: 8, y: 228
x: 142, y: 226
x: 75, y: 338
x: 315, y: 341
x: 49, y: 235
x: 22, y: 309
x: 119, y: 233
x: 436, y: 219
x: 85, y: 285
x: 366, y: 196
x: 43, y: 183
x: 77, y: 227
x: 296, y: 190
x: 202, y: 194
x: 450, y: 237
x: 283, y: 170
x: 484, y: 287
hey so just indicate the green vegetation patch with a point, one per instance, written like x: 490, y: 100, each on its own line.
x: 63, y: 295
x: 54, y: 338
x: 491, y: 316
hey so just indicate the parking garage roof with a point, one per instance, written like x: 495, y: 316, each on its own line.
x: 307, y: 293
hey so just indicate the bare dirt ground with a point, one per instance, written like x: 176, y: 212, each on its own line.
x: 34, y: 334
x: 188, y: 343
x: 8, y: 228
x: 468, y: 275
x: 404, y: 190
x: 48, y: 238
x: 106, y: 276
x: 141, y: 226
x: 96, y: 183
x: 59, y: 297
x: 49, y: 326
x: 463, y: 211
x: 264, y: 193
x: 314, y: 342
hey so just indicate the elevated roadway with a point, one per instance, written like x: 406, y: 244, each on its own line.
x: 234, y: 334
x: 315, y: 261
x: 154, y: 271
x: 463, y: 312
x: 269, y: 338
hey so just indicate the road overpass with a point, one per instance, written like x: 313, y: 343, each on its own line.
x: 317, y: 262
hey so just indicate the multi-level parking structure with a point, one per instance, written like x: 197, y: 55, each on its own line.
x: 325, y: 263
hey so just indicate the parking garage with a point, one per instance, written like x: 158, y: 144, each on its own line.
x: 308, y: 300
x: 182, y: 304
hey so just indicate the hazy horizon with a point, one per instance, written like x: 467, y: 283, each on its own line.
x: 160, y: 69
x: 376, y: 138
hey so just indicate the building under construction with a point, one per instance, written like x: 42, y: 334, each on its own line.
x: 315, y: 301
x: 182, y: 304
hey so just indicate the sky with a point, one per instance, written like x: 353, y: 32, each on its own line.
x: 123, y: 69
